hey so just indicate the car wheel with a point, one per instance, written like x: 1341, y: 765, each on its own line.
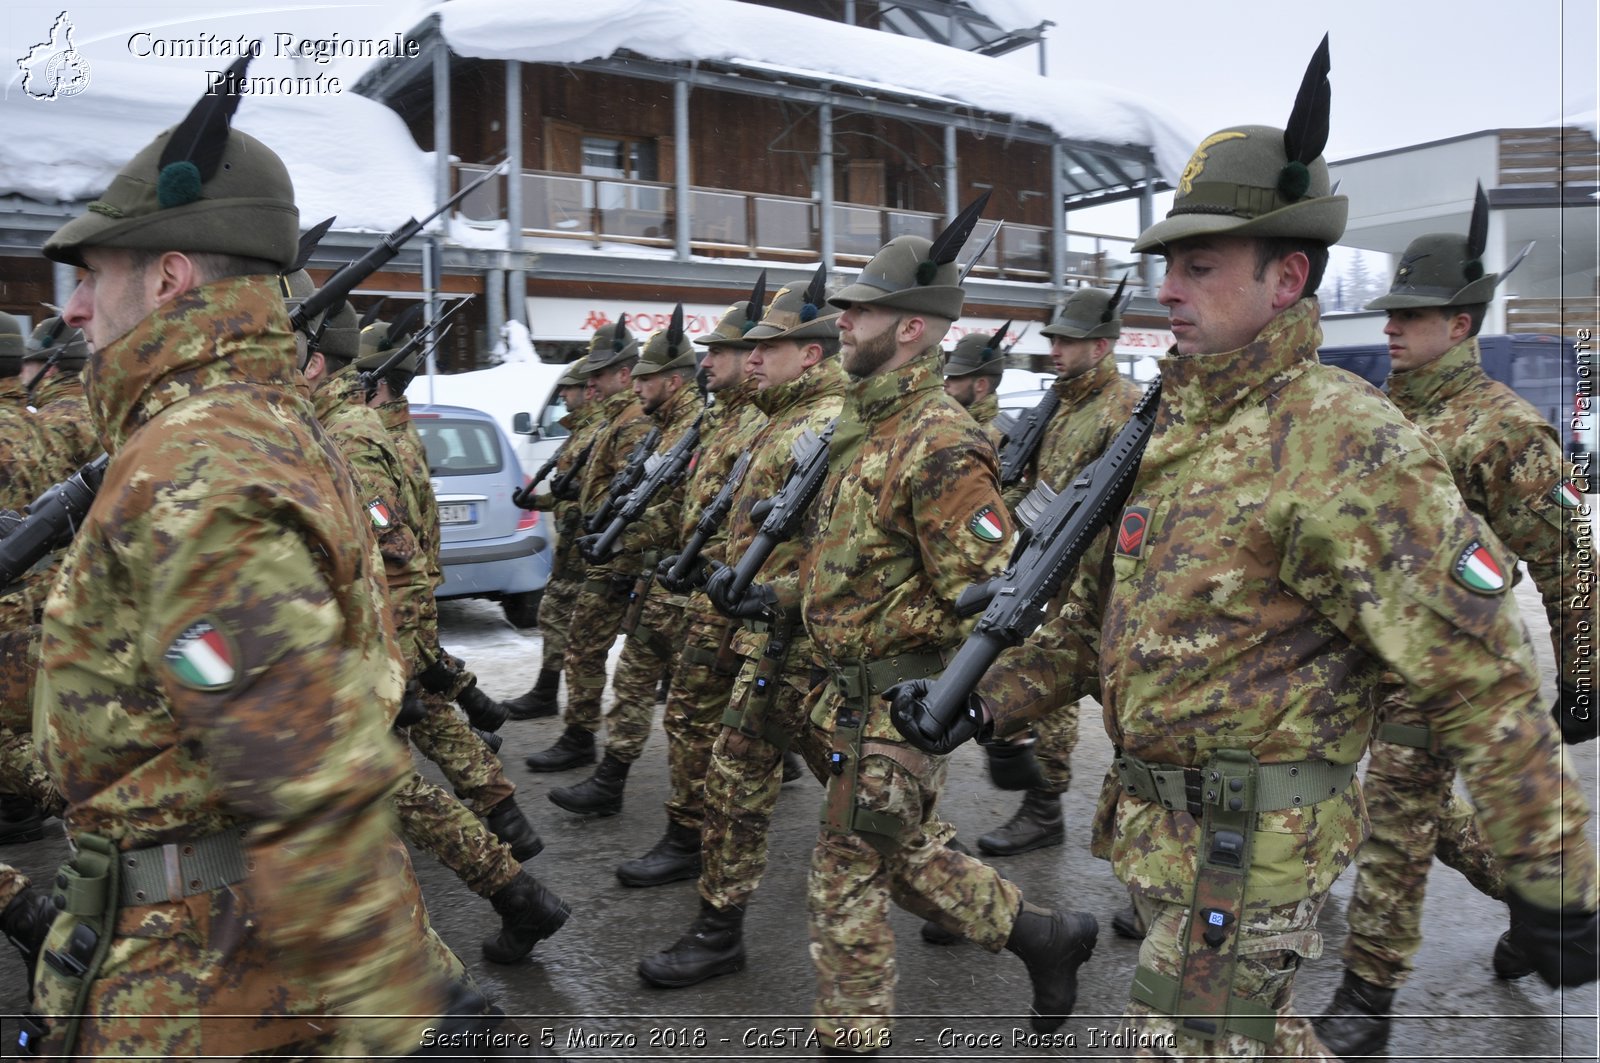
x: 522, y: 609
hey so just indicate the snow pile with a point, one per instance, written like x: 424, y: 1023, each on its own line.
x: 729, y: 31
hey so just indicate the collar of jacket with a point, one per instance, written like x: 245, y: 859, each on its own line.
x: 395, y: 414
x: 732, y: 400
x: 228, y: 332
x: 823, y: 379
x: 1449, y: 374
x: 1209, y: 387
x: 60, y: 386
x: 681, y: 409
x: 1074, y: 390
x: 882, y: 394
x: 615, y: 407
x: 338, y: 391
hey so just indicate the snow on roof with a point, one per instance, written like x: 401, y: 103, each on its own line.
x: 347, y: 155
x: 726, y: 30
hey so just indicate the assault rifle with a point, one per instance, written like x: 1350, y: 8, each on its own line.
x: 659, y: 471
x: 675, y: 571
x: 1023, y: 437
x: 522, y: 497
x: 566, y: 486
x: 1062, y: 527
x: 49, y: 521
x: 622, y: 483
x: 783, y: 514
x: 342, y: 283
x: 371, y: 378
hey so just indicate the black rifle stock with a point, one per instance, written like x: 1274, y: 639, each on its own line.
x: 49, y: 522
x: 1014, y: 603
x: 660, y: 470
x: 522, y: 497
x: 565, y: 486
x: 624, y: 482
x: 711, y: 518
x: 1022, y: 444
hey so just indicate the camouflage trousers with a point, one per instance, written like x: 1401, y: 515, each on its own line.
x: 854, y: 876
x: 647, y: 658
x: 473, y: 770
x: 1416, y: 815
x: 701, y: 685
x: 437, y: 823
x: 555, y: 619
x: 1273, y: 940
x: 597, y: 612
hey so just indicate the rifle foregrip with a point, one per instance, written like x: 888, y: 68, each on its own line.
x: 949, y: 695
x: 976, y: 598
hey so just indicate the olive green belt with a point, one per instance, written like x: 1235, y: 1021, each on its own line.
x: 859, y: 678
x: 1277, y: 786
x: 163, y: 873
x: 1406, y: 734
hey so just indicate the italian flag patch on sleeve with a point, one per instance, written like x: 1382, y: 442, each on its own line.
x: 986, y: 525
x: 381, y: 518
x: 201, y: 658
x: 1477, y: 570
x: 1567, y: 495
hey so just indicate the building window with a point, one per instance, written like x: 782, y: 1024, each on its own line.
x: 623, y: 157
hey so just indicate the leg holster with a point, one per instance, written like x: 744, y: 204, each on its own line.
x: 88, y: 888
x: 637, y: 593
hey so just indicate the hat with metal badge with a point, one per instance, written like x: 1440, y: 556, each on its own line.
x: 978, y: 354
x: 1445, y: 269
x: 915, y: 274
x: 738, y: 320
x: 799, y: 314
x: 667, y: 349
x: 1090, y: 314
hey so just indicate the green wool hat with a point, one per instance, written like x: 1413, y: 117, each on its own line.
x: 1260, y: 181
x: 200, y: 186
x: 799, y: 314
x: 667, y: 349
x: 737, y: 321
x: 612, y: 345
x: 1089, y: 314
x: 53, y: 337
x: 12, y: 345
x: 576, y: 375
x: 1444, y: 269
x: 341, y: 336
x: 916, y: 274
x: 979, y: 354
x: 378, y: 338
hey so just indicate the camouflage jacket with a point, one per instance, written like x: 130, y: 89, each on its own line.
x: 730, y: 428
x: 1094, y: 407
x: 417, y: 500
x: 1508, y: 465
x: 656, y: 532
x: 1288, y: 538
x: 584, y: 425
x: 65, y: 427
x: 625, y: 425
x: 216, y: 656
x: 984, y: 411
x: 23, y: 457
x: 910, y: 516
x: 11, y: 392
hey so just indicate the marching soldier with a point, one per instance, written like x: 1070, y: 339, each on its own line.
x: 972, y: 377
x: 1508, y: 465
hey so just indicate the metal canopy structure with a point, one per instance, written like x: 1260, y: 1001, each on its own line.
x: 952, y: 23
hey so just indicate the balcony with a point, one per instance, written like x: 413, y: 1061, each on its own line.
x: 727, y: 223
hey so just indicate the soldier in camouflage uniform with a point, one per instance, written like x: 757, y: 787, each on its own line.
x: 972, y: 375
x: 706, y: 663
x: 664, y: 381
x: 800, y: 388
x: 603, y: 602
x: 237, y: 886
x: 11, y: 347
x: 1289, y: 538
x: 1508, y: 465
x: 582, y: 422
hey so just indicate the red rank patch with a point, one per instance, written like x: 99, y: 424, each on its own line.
x: 1130, y: 530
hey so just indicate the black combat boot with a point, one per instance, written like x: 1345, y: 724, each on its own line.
x: 20, y: 820
x: 540, y: 700
x: 529, y: 913
x: 1128, y: 924
x: 483, y: 712
x: 675, y: 857
x: 1510, y: 962
x: 714, y: 945
x: 1357, y: 1022
x: 1053, y: 945
x: 490, y: 739
x: 1036, y: 825
x: 512, y: 827
x: 600, y: 794
x: 573, y: 749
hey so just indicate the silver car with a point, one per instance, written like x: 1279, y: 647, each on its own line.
x: 489, y: 547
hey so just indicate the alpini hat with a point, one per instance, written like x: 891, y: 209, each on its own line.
x: 1090, y: 314
x: 340, y: 335
x: 612, y: 345
x: 380, y: 338
x: 576, y: 375
x: 737, y: 321
x: 915, y: 274
x: 1255, y: 180
x: 667, y: 349
x: 54, y: 338
x: 978, y: 354
x: 199, y: 186
x: 1445, y: 269
x: 12, y: 345
x: 797, y: 314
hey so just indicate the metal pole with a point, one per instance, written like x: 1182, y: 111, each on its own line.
x: 430, y: 285
x: 680, y: 168
x: 1058, y: 218
x: 850, y: 12
x: 495, y: 302
x: 517, y: 310
x: 1147, y: 215
x: 441, y: 149
x: 825, y: 181
x: 952, y: 195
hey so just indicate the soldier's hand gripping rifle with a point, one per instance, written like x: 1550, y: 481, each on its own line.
x: 567, y: 485
x: 623, y: 482
x: 522, y: 497
x: 371, y: 378
x: 938, y: 715
x: 683, y: 571
x: 659, y: 471
x: 728, y: 588
x: 49, y: 521
x: 342, y: 283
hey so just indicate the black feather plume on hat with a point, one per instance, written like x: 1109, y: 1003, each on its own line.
x: 675, y: 331
x: 992, y: 348
x: 1477, y: 235
x: 194, y: 148
x: 815, y: 292
x: 620, y: 338
x: 1307, y: 132
x: 402, y: 326
x: 308, y: 244
x: 947, y: 245
x: 1111, y: 305
x: 372, y: 313
x: 758, y: 302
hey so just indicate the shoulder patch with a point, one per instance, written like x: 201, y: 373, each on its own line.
x: 381, y: 517
x: 1130, y: 530
x: 202, y: 658
x: 1567, y: 495
x: 1477, y: 570
x: 986, y: 525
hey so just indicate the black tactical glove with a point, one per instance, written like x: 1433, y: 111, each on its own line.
x: 1576, y: 716
x: 1012, y: 766
x: 26, y: 921
x: 1559, y: 944
x: 438, y: 677
x: 587, y: 547
x: 758, y: 602
x: 695, y: 577
x: 909, y: 711
x: 412, y: 707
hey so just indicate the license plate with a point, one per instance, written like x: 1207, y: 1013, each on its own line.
x: 458, y: 513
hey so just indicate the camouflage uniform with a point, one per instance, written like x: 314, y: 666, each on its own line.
x: 567, y: 570
x: 1289, y: 553
x: 227, y: 541
x: 1507, y: 463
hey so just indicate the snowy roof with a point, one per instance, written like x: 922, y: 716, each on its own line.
x: 740, y: 33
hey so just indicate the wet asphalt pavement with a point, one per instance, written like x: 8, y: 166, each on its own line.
x: 579, y: 990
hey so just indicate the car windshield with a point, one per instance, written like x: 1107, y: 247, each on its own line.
x: 458, y: 447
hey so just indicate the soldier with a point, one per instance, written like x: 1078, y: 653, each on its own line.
x: 1288, y: 538
x: 583, y: 422
x: 237, y: 887
x: 603, y: 602
x: 800, y: 388
x: 663, y: 380
x: 1507, y: 463
x: 11, y: 347
x: 706, y: 664
x: 972, y: 376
